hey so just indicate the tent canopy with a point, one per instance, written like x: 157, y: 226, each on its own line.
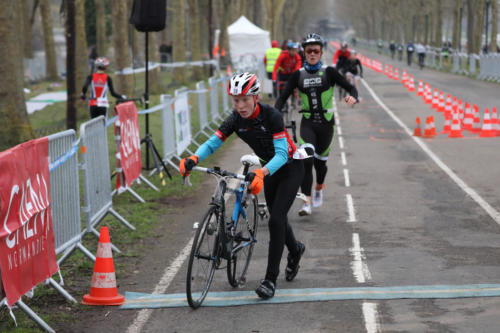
x: 248, y: 44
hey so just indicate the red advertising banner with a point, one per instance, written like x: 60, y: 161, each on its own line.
x: 130, y: 143
x: 27, y: 254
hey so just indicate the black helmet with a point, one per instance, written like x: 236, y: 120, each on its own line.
x: 312, y: 39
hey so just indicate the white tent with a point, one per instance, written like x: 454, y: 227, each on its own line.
x: 248, y: 44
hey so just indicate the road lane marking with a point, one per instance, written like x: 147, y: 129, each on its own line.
x: 344, y: 160
x: 135, y: 300
x: 339, y: 130
x: 370, y: 313
x: 346, y: 177
x: 168, y: 275
x: 350, y: 208
x: 358, y: 266
x: 341, y: 142
x: 495, y: 215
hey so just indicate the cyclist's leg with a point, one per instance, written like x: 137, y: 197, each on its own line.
x: 307, y: 141
x: 280, y: 190
x: 325, y: 131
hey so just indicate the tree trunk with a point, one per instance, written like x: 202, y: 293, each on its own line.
x: 154, y: 56
x: 194, y: 20
x: 494, y: 26
x: 16, y: 126
x: 119, y: 16
x: 71, y: 38
x: 438, y: 32
x: 48, y: 37
x: 478, y: 30
x: 456, y: 25
x: 470, y: 25
x: 27, y: 35
x: 100, y: 16
x: 82, y: 52
x: 179, y: 40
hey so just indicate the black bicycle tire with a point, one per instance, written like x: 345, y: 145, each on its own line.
x: 200, y: 232
x: 231, y: 266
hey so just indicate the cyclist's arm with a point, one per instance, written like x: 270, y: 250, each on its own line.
x: 111, y: 89
x: 280, y: 144
x: 334, y: 76
x: 86, y: 85
x: 360, y: 68
x: 298, y: 64
x: 291, y: 84
x: 335, y: 57
x: 216, y: 140
x: 277, y: 65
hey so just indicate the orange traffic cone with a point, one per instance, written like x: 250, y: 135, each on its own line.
x: 433, y: 126
x: 418, y: 130
x: 405, y: 77
x: 396, y: 74
x: 411, y: 84
x: 460, y: 108
x: 447, y: 124
x: 420, y: 91
x: 428, y: 133
x: 428, y: 97
x: 468, y: 117
x: 456, y: 130
x: 103, y: 289
x: 487, y: 130
x: 447, y: 106
x: 229, y: 70
x: 435, y: 99
x: 494, y: 120
x: 476, y: 124
x: 440, y: 107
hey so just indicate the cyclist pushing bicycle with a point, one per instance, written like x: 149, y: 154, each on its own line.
x: 315, y: 83
x: 261, y: 127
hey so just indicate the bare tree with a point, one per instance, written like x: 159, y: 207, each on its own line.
x: 100, y: 17
x: 71, y: 38
x: 194, y: 20
x: 273, y: 9
x: 457, y: 25
x: 478, y: 29
x: 438, y: 32
x: 27, y: 35
x: 82, y: 57
x: 120, y: 43
x: 12, y: 103
x: 48, y: 37
x: 494, y: 25
x: 179, y: 39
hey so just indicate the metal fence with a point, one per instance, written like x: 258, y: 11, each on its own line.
x: 96, y: 176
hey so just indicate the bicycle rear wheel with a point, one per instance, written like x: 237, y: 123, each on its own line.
x: 244, y: 239
x: 203, y: 259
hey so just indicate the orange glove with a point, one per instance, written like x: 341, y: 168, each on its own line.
x: 187, y: 164
x: 256, y: 180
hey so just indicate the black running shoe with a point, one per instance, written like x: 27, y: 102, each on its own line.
x: 266, y: 289
x: 292, y: 268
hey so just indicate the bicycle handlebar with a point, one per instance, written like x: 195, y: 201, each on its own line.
x: 213, y: 171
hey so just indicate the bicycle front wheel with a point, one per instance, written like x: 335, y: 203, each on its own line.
x: 203, y: 259
x: 244, y: 239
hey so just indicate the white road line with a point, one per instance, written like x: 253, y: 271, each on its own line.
x: 168, y: 275
x: 358, y: 266
x: 346, y: 178
x: 344, y: 160
x: 339, y: 130
x: 370, y: 313
x: 350, y: 208
x: 341, y: 142
x: 495, y: 215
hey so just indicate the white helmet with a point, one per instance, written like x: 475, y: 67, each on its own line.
x: 243, y: 85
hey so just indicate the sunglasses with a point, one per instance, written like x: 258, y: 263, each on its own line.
x: 313, y: 51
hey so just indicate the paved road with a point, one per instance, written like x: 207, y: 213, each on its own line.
x: 398, y: 212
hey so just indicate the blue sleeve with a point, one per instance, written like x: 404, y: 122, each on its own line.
x: 208, y: 147
x: 280, y: 155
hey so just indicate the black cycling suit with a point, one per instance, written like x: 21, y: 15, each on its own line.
x: 281, y: 187
x: 318, y: 121
x: 351, y: 66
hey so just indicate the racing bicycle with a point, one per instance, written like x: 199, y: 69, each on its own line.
x: 227, y: 232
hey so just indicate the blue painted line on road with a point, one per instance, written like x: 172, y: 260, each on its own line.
x: 135, y: 300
